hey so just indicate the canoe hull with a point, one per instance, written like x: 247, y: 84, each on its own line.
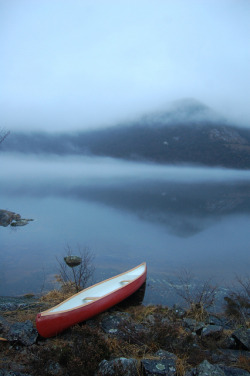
x: 49, y: 325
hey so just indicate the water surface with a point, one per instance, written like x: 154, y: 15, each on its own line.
x: 172, y: 217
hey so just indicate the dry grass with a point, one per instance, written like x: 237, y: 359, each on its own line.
x: 197, y: 312
x: 182, y: 366
x: 119, y: 348
x: 57, y: 296
x: 243, y: 363
x: 140, y: 313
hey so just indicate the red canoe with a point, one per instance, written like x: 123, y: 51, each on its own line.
x: 90, y: 301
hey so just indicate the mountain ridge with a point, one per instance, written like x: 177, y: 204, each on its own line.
x: 190, y: 133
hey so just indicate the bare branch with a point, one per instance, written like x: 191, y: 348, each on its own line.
x: 199, y: 295
x: 3, y: 135
x: 80, y: 275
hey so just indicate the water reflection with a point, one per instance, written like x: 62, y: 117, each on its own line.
x: 125, y: 213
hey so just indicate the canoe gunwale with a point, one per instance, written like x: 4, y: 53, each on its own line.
x: 49, y: 313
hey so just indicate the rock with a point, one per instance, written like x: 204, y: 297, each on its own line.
x: 221, y: 321
x: 6, y: 217
x: 165, y: 355
x: 122, y: 366
x: 232, y: 356
x: 166, y: 365
x: 111, y: 323
x: 227, y: 356
x: 228, y: 343
x: 5, y: 372
x: 11, y: 306
x: 73, y: 261
x: 233, y: 371
x: 4, y: 326
x: 242, y: 337
x: 53, y: 368
x: 206, y: 369
x: 22, y: 332
x: 214, y: 331
x: 179, y: 311
x: 20, y: 222
x: 193, y: 325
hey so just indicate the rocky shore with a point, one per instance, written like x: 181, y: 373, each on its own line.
x: 132, y: 341
x: 10, y: 218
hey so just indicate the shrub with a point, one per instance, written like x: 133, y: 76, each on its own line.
x: 237, y: 304
x: 81, y: 356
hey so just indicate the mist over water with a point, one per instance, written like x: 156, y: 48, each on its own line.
x: 126, y: 213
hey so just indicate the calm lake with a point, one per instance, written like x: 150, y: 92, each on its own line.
x: 172, y: 217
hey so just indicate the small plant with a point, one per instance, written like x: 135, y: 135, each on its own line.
x: 88, y: 349
x: 75, y: 277
x: 198, y: 297
x: 237, y: 304
x: 181, y: 366
x: 81, y: 356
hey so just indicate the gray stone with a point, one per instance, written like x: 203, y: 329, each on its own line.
x: 165, y: 365
x: 242, y: 337
x: 11, y: 306
x: 193, y: 325
x: 179, y: 311
x: 22, y: 332
x: 228, y: 356
x: 122, y: 366
x: 221, y: 321
x: 4, y: 325
x: 110, y: 323
x: 228, y: 343
x: 5, y: 372
x: 157, y: 367
x: 165, y: 355
x: 233, y: 371
x: 208, y: 369
x: 6, y: 217
x: 214, y: 331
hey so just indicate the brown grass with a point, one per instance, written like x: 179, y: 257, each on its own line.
x: 140, y: 313
x: 197, y: 312
x: 182, y: 366
x: 244, y: 363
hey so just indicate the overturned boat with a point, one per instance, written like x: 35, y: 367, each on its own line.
x: 90, y: 301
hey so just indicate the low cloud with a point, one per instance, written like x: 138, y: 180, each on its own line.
x: 83, y: 65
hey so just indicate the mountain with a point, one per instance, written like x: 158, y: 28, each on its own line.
x: 186, y: 133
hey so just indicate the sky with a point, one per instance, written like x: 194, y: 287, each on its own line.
x: 77, y: 64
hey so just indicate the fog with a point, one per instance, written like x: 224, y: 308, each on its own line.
x: 126, y: 213
x: 26, y: 169
x: 75, y: 65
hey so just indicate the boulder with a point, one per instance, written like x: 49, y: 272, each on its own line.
x: 23, y: 333
x: 193, y: 325
x: 121, y: 366
x: 242, y: 337
x: 214, y: 331
x: 6, y: 217
x: 4, y: 326
x: 5, y: 372
x: 111, y: 324
x: 165, y: 365
x: 206, y: 369
x: 11, y: 306
x: 220, y: 321
x: 234, y: 371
